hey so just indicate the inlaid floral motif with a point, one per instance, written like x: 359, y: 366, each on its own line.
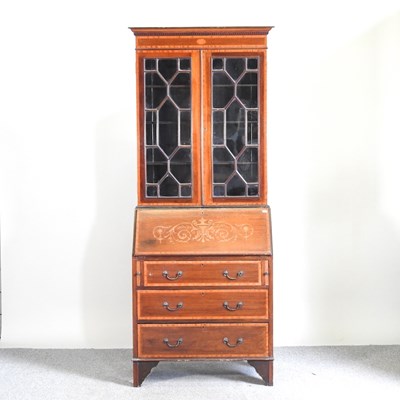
x: 203, y: 230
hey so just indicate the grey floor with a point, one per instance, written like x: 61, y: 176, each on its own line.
x: 322, y: 373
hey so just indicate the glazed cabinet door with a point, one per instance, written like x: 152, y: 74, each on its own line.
x: 234, y: 96
x: 168, y: 99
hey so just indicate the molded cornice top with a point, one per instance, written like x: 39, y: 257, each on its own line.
x: 193, y: 31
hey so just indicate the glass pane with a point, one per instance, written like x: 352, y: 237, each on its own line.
x: 222, y: 155
x: 252, y: 190
x: 156, y: 166
x: 154, y: 155
x: 184, y: 64
x: 223, y: 89
x: 181, y: 166
x: 167, y: 67
x: 151, y: 191
x: 151, y: 127
x: 150, y: 64
x: 186, y: 190
x: 185, y: 128
x: 252, y: 127
x: 156, y: 90
x: 218, y: 63
x: 235, y: 67
x: 169, y: 188
x: 168, y: 127
x: 236, y: 187
x: 247, y: 90
x: 235, y: 127
x: 219, y: 190
x: 252, y: 63
x: 180, y: 90
x: 224, y: 165
x: 218, y: 127
x: 248, y: 165
x: 155, y: 172
x: 223, y: 171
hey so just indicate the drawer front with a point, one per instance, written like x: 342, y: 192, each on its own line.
x: 200, y: 231
x: 203, y: 273
x: 202, y: 304
x: 202, y: 340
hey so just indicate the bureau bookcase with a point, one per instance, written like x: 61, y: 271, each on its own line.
x: 202, y: 251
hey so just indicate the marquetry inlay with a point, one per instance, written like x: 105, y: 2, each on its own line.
x: 203, y: 230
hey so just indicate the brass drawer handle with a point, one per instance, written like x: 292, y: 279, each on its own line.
x: 238, y: 275
x: 238, y: 342
x: 238, y: 306
x: 172, y: 278
x: 172, y: 346
x: 178, y: 306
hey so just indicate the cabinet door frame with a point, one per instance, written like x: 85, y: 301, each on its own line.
x: 194, y: 55
x: 208, y: 199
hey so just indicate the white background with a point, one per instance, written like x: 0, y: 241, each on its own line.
x: 68, y: 177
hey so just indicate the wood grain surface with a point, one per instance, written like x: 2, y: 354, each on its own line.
x: 203, y: 305
x: 179, y: 273
x: 194, y: 231
x: 203, y: 340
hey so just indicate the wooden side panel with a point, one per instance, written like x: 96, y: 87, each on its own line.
x: 165, y: 341
x: 230, y: 231
x: 244, y: 304
x: 202, y: 273
x: 270, y: 308
x: 135, y: 281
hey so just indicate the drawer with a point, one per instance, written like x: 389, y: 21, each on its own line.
x: 202, y: 340
x: 203, y: 305
x: 203, y: 273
